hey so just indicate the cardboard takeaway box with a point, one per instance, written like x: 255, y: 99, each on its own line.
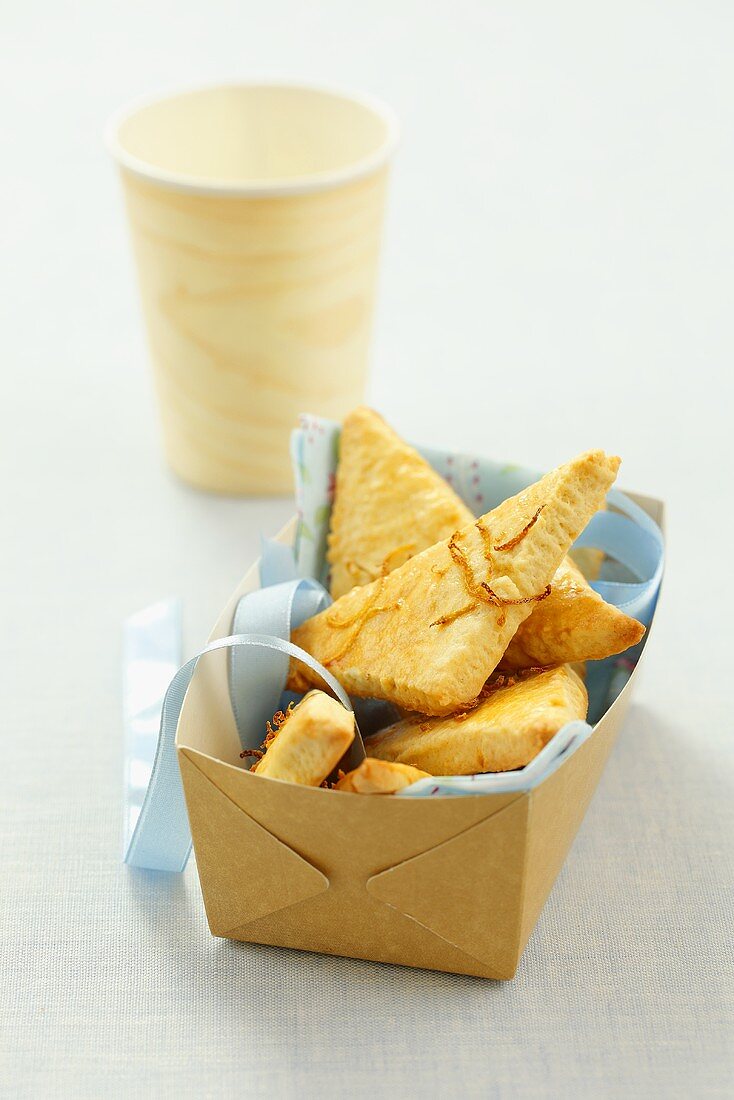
x: 453, y: 884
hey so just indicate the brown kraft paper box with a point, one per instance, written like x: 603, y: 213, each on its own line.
x: 454, y: 884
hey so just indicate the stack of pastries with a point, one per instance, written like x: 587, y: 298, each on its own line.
x: 476, y: 629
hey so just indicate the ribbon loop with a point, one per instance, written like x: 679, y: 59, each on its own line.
x: 261, y: 650
x: 634, y: 540
x: 256, y: 680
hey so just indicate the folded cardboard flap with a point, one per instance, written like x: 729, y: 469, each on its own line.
x: 329, y: 871
x: 229, y: 842
x: 438, y: 888
x: 454, y: 884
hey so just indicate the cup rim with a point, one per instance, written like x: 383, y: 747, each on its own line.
x: 297, y: 185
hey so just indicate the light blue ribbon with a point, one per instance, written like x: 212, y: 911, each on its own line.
x: 636, y: 542
x: 257, y: 679
x: 260, y: 649
x: 151, y: 658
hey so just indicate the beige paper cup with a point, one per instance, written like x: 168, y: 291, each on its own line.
x: 255, y: 212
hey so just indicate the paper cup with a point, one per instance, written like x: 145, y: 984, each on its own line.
x: 255, y: 212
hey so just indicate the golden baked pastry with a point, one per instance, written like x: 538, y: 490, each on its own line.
x: 389, y: 505
x: 574, y: 623
x: 505, y: 731
x: 309, y: 743
x: 428, y: 635
x: 379, y: 777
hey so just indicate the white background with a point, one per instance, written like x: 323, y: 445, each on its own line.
x: 557, y: 274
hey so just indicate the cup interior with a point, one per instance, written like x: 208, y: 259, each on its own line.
x: 253, y: 136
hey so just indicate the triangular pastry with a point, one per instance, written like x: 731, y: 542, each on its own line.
x: 506, y: 730
x: 390, y: 504
x: 428, y: 635
x: 574, y: 623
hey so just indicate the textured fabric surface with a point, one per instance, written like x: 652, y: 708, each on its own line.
x: 579, y: 234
